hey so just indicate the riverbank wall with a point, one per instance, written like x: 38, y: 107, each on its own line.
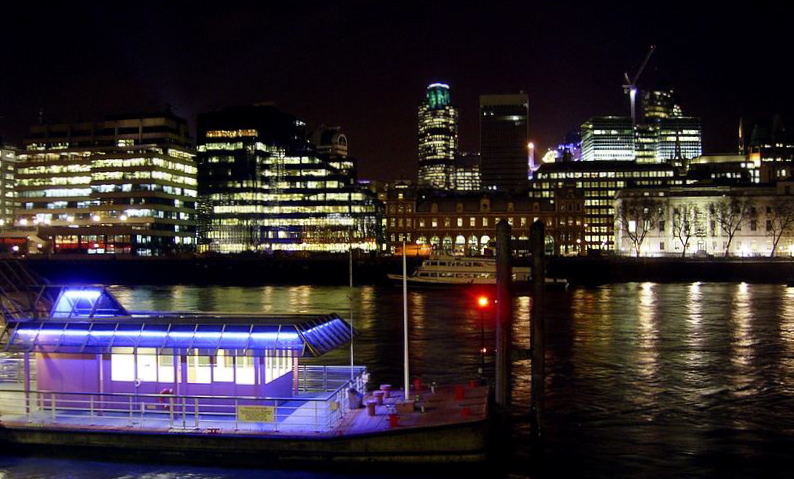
x: 333, y: 269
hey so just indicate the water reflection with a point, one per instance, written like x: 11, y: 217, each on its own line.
x: 689, y: 379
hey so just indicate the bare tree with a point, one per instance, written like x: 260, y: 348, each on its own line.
x: 686, y: 224
x: 780, y: 221
x: 731, y: 214
x: 636, y: 217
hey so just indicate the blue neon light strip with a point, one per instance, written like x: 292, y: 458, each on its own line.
x: 268, y: 336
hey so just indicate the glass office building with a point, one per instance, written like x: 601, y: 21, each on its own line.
x: 679, y: 137
x: 504, y: 142
x: 467, y: 172
x: 600, y: 181
x: 607, y: 138
x: 8, y: 162
x: 438, y: 139
x: 124, y: 185
x: 265, y: 188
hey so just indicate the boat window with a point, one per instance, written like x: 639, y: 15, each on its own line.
x: 277, y: 364
x: 146, y: 359
x: 199, y: 369
x: 244, y: 370
x: 223, y: 369
x: 165, y: 367
x: 122, y: 364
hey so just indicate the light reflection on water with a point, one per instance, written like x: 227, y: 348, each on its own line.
x: 643, y: 379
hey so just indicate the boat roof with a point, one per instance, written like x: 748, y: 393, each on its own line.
x: 89, y: 319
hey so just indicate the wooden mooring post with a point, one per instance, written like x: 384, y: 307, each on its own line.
x: 504, y: 314
x: 537, y: 326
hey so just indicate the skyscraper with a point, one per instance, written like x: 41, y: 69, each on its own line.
x: 438, y: 139
x: 504, y: 141
x: 606, y: 138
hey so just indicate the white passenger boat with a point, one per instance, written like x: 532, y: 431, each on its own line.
x: 459, y: 270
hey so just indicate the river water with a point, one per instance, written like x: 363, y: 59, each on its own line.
x: 644, y: 379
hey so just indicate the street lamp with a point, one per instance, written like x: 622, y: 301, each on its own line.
x: 483, y: 303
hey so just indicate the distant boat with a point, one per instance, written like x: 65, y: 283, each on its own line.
x: 459, y: 270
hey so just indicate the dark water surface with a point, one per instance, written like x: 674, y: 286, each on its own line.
x: 644, y: 380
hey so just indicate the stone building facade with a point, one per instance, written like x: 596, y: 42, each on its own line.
x: 705, y: 221
x: 466, y: 224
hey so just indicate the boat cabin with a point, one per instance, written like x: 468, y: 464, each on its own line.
x: 89, y: 343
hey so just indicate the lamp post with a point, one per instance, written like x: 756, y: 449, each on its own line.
x: 483, y: 302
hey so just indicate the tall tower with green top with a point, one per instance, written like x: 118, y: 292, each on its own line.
x: 438, y: 139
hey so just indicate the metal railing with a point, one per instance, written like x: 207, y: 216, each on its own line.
x: 213, y: 414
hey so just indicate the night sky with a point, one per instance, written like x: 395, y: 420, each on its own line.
x: 364, y: 65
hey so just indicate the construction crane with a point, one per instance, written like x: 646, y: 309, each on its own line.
x: 630, y: 87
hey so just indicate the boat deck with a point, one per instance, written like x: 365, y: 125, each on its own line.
x: 442, y: 407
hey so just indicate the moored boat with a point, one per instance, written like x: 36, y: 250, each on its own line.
x: 459, y: 271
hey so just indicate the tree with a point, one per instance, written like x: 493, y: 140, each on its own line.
x: 687, y: 221
x: 780, y: 221
x: 636, y: 218
x: 731, y: 214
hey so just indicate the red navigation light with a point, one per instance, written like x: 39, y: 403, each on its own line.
x: 483, y: 301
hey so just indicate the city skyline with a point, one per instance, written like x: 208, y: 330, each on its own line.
x: 570, y: 63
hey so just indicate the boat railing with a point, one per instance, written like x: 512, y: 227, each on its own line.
x: 312, y: 410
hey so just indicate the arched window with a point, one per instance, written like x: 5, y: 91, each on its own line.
x: 474, y: 245
x: 435, y: 242
x: 446, y: 244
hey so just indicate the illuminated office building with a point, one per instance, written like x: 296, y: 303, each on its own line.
x: 659, y: 104
x: 467, y: 172
x: 646, y: 141
x: 665, y: 134
x: 331, y: 144
x: 124, y: 185
x: 438, y: 139
x: 8, y: 162
x: 504, y: 142
x: 608, y: 138
x: 600, y: 181
x: 264, y: 187
x: 679, y: 137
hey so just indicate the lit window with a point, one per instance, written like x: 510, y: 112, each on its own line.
x: 223, y: 369
x: 165, y: 368
x: 199, y: 370
x: 244, y: 368
x: 122, y: 364
x: 146, y: 360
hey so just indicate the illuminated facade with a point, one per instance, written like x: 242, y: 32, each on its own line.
x: 124, y: 185
x: 504, y: 142
x: 659, y: 104
x: 608, y: 138
x: 264, y: 187
x: 465, y: 224
x: 467, y: 172
x: 438, y: 139
x: 708, y: 221
x: 646, y: 140
x: 331, y: 144
x: 8, y: 162
x: 599, y: 181
x: 679, y: 137
x: 770, y: 150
